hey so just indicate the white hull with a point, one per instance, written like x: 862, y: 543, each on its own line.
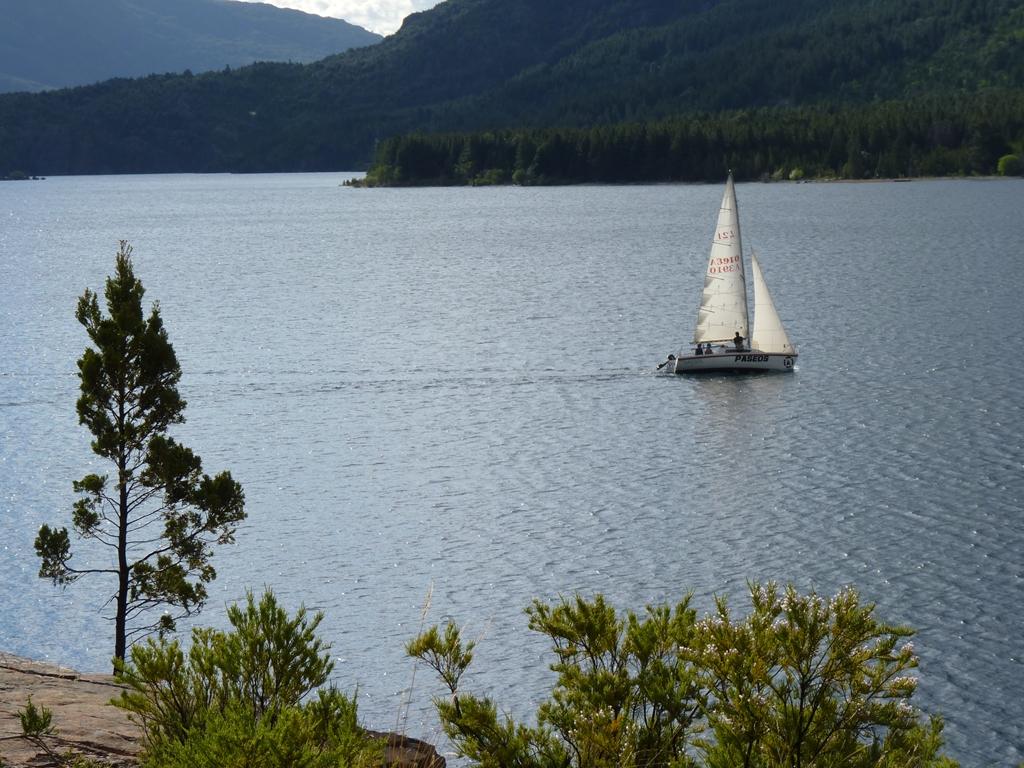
x: 735, y: 361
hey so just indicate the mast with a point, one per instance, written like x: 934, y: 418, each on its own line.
x: 723, y: 302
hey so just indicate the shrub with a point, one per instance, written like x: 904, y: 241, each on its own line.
x: 243, y: 698
x: 624, y: 696
x: 800, y: 681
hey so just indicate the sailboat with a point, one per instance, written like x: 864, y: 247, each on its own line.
x: 721, y: 337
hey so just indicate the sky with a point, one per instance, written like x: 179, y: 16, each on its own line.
x: 381, y: 16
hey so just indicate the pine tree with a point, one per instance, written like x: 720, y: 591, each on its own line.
x: 157, y: 512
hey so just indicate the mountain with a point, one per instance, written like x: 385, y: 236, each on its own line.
x: 48, y: 44
x: 491, y: 64
x: 750, y: 53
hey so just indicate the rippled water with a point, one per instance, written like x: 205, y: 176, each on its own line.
x: 454, y: 389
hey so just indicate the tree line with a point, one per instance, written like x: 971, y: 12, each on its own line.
x: 951, y: 135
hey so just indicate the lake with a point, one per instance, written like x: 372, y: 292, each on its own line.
x: 453, y: 392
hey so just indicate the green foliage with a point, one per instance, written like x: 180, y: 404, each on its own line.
x: 1010, y: 165
x: 243, y: 698
x: 445, y: 654
x: 37, y: 727
x: 623, y: 697
x: 802, y: 681
x: 231, y: 737
x: 159, y: 513
x: 35, y: 722
x: 799, y: 681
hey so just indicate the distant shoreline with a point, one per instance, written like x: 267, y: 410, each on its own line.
x: 360, y: 183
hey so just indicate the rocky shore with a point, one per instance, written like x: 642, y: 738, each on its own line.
x: 85, y: 723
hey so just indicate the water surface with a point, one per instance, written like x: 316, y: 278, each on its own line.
x: 454, y: 390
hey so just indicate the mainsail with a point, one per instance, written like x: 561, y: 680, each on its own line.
x: 769, y: 335
x: 723, y: 304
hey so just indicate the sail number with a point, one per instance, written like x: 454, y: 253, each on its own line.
x: 720, y: 265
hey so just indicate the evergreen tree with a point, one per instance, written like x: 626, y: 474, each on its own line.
x: 160, y: 516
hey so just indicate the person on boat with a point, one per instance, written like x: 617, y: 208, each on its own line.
x: 738, y: 341
x: 700, y: 349
x: 708, y: 350
x: 669, y: 360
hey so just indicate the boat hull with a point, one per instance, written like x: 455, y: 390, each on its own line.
x: 751, y: 361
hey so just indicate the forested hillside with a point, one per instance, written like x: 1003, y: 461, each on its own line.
x: 479, y: 65
x: 747, y: 53
x: 57, y: 43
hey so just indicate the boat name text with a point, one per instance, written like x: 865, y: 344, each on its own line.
x: 750, y: 359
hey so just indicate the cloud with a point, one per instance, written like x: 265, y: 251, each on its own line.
x: 382, y: 16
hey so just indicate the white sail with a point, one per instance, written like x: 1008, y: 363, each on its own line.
x: 769, y: 335
x: 723, y: 303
